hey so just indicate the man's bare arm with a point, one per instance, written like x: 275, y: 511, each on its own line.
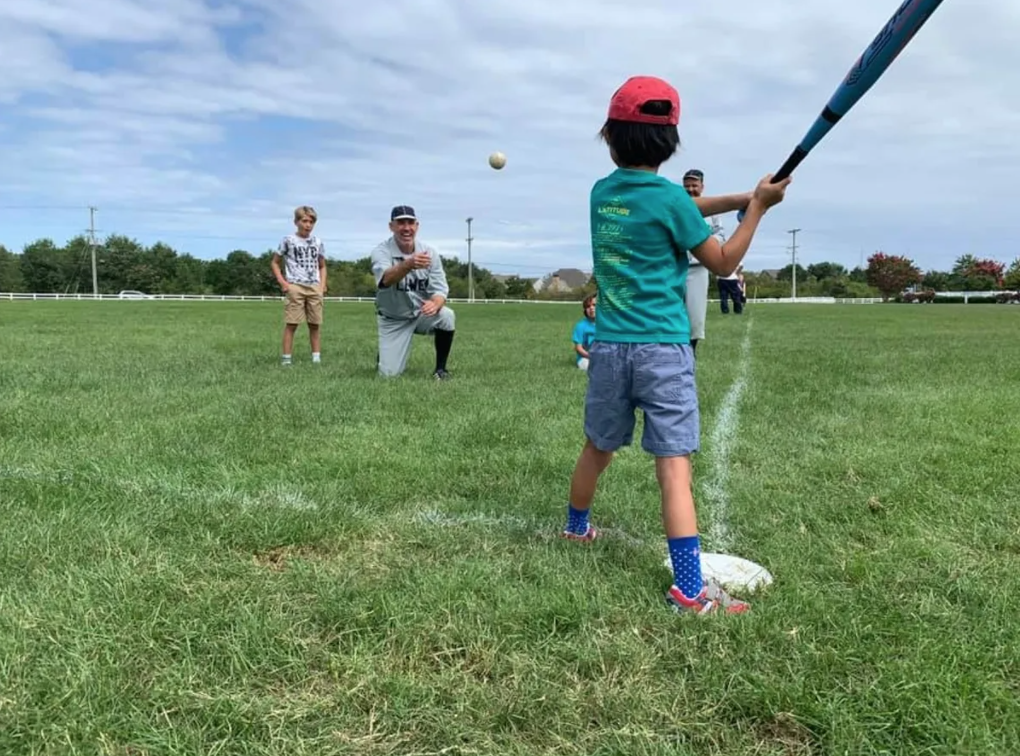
x: 722, y: 203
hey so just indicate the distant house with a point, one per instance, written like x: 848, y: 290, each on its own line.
x: 772, y: 272
x: 564, y: 279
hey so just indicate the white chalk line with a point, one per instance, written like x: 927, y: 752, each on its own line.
x: 720, y: 445
x: 277, y: 496
x: 282, y: 497
x: 538, y: 527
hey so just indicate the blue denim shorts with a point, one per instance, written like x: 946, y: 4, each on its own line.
x: 658, y: 379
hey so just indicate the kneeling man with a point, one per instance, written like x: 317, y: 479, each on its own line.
x: 410, y: 298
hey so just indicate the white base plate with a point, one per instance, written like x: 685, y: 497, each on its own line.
x: 732, y: 572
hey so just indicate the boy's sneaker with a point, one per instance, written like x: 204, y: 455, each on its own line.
x: 441, y: 375
x: 711, y: 599
x: 589, y: 535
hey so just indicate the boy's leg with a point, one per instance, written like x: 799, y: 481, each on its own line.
x: 723, y: 291
x: 608, y: 425
x: 315, y: 339
x: 665, y: 389
x: 394, y: 345
x: 590, y: 465
x: 288, y: 342
x: 738, y: 298
x: 293, y: 316
x: 313, y: 314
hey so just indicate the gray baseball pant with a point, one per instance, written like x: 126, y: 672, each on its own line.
x: 697, y: 300
x: 395, y: 337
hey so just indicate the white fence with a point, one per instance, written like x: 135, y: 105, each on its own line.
x: 135, y: 296
x: 279, y: 298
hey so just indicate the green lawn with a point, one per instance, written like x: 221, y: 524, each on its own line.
x: 206, y: 553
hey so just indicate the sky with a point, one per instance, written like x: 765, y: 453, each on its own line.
x: 204, y: 124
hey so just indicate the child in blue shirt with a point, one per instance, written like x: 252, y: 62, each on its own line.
x: 642, y: 226
x: 584, y: 332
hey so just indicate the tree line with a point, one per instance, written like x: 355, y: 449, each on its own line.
x: 124, y: 264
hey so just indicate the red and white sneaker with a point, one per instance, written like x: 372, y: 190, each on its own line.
x: 711, y: 599
x: 589, y: 535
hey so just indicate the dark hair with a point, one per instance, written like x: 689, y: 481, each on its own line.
x: 587, y: 301
x: 642, y: 143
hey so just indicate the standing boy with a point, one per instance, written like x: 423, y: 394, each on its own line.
x: 305, y: 281
x: 642, y: 227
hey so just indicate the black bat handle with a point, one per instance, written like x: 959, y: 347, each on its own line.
x: 791, y: 162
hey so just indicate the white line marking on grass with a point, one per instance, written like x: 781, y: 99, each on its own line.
x: 539, y: 527
x: 724, y: 433
x: 278, y: 496
x: 433, y: 517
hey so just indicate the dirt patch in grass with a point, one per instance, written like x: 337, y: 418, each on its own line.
x: 785, y: 733
x: 278, y: 558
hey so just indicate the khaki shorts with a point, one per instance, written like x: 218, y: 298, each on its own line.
x: 304, y: 303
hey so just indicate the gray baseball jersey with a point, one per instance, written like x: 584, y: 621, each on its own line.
x: 302, y: 258
x: 404, y: 299
x: 717, y: 231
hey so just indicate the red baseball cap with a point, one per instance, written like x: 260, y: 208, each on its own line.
x: 635, y: 92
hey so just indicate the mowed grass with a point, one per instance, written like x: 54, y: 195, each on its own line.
x: 205, y: 553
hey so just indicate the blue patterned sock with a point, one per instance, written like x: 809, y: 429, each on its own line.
x: 577, y: 520
x: 686, y: 557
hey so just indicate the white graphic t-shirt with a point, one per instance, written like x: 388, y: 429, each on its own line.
x: 301, y: 256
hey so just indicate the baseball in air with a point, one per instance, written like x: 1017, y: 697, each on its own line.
x: 497, y: 160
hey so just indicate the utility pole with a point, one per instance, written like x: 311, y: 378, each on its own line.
x: 92, y: 247
x: 471, y: 277
x: 794, y: 268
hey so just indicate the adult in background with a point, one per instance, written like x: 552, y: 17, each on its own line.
x: 729, y: 288
x: 410, y: 297
x: 697, y: 275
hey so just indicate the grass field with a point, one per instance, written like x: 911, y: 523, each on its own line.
x: 205, y: 553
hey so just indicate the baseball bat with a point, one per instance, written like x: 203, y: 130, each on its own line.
x: 868, y: 69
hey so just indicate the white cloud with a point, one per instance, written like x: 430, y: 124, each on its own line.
x: 205, y: 126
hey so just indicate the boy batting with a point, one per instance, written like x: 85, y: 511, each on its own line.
x: 642, y: 227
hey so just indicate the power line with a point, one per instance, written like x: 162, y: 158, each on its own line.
x: 794, y: 268
x: 92, y: 248
x: 471, y: 277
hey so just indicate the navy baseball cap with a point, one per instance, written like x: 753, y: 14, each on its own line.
x: 694, y: 173
x: 402, y: 211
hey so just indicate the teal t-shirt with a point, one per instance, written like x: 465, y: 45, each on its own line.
x: 584, y: 334
x: 642, y: 226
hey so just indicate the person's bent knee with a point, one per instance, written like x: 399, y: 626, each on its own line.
x: 447, y: 320
x: 602, y: 457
